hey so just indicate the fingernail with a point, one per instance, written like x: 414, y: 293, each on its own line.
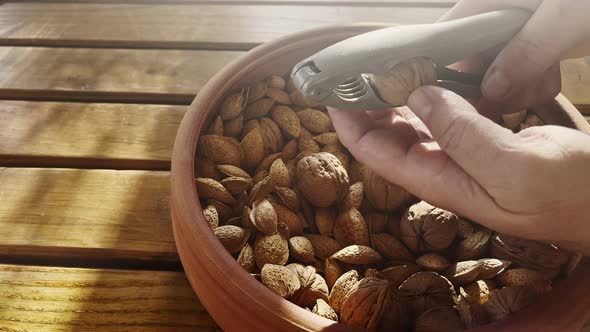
x: 496, y: 85
x: 419, y: 102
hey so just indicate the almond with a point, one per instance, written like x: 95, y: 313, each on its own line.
x: 280, y: 280
x: 211, y: 216
x: 256, y: 91
x: 491, y: 267
x: 391, y: 248
x: 221, y: 150
x: 287, y: 120
x: 301, y: 250
x: 325, y: 218
x: 315, y: 121
x: 323, y: 246
x: 224, y: 212
x: 249, y: 126
x: 341, y: 288
x: 279, y: 174
x: 236, y: 185
x: 292, y: 220
x: 233, y: 127
x: 328, y: 138
x: 216, y: 127
x: 260, y: 190
x: 275, y: 81
x: 351, y: 228
x: 246, y: 258
x: 258, y: 109
x: 209, y: 188
x: 288, y: 197
x: 289, y: 150
x: 473, y: 246
x: 205, y: 168
x: 463, y: 273
x: 279, y: 96
x: 519, y: 277
x: 231, y: 170
x: 332, y: 271
x: 233, y: 238
x: 271, y: 136
x: 253, y: 148
x: 271, y: 249
x: 233, y: 105
x: 264, y: 217
x: 259, y: 176
x: 298, y: 99
x: 354, y: 197
x: 433, y: 262
x: 358, y: 255
x: 266, y: 163
x: 323, y: 309
x: 307, y: 144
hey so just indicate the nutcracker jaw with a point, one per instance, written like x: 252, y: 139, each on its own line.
x: 337, y: 76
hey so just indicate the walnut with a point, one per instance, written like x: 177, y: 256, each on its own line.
x: 322, y: 179
x: 365, y: 303
x: 427, y: 228
x: 508, y: 300
x: 427, y: 290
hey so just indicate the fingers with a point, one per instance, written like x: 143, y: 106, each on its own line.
x: 398, y: 155
x: 469, y: 138
x: 466, y: 8
x: 538, y: 46
x: 539, y: 92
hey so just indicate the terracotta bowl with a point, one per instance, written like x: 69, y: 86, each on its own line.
x: 237, y: 301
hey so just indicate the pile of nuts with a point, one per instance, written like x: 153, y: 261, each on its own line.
x: 323, y: 231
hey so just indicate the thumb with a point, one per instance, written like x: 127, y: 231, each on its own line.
x: 473, y: 141
x: 541, y: 43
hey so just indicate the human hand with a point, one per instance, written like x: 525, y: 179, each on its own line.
x: 533, y: 184
x: 526, y: 71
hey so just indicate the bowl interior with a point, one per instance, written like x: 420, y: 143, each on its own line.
x: 230, y: 294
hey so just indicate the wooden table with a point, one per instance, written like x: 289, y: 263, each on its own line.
x: 92, y: 94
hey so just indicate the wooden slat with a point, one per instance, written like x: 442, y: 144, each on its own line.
x: 71, y: 299
x: 86, y: 215
x: 576, y: 82
x: 180, y: 26
x: 146, y: 76
x: 121, y: 136
x: 393, y: 3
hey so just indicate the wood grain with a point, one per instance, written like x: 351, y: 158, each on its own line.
x: 184, y: 26
x: 71, y: 299
x: 121, y: 136
x: 146, y: 76
x: 362, y: 3
x: 85, y: 214
x: 576, y: 82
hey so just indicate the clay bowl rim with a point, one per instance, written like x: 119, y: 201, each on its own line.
x: 183, y: 189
